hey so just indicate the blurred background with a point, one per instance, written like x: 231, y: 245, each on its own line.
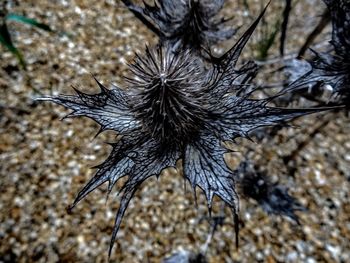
x: 45, y: 161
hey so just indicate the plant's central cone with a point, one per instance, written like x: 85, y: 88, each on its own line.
x: 167, y: 95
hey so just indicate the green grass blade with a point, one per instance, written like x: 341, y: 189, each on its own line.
x: 29, y: 21
x: 5, y: 40
x: 267, y: 40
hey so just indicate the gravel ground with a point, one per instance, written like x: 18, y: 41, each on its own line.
x: 44, y: 162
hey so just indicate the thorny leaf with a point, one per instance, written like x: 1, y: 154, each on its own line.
x: 327, y: 69
x: 204, y: 166
x: 109, y: 108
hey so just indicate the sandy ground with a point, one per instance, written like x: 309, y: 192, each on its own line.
x: 44, y: 162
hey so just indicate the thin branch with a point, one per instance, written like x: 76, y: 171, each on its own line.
x: 326, y: 18
x: 311, y: 136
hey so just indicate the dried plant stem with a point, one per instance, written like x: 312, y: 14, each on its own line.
x: 286, y: 14
x: 312, y: 135
x: 326, y: 18
x: 290, y: 56
x: 216, y: 221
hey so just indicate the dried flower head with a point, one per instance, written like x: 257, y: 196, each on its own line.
x: 167, y: 95
x: 273, y: 198
x: 187, y: 23
x: 333, y: 68
x: 175, y: 109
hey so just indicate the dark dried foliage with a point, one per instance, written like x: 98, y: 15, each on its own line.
x: 175, y: 109
x: 332, y: 68
x: 273, y: 198
x: 190, y: 24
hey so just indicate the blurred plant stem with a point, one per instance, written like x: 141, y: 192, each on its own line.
x: 5, y: 36
x: 325, y: 19
x: 267, y: 38
x: 284, y: 25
